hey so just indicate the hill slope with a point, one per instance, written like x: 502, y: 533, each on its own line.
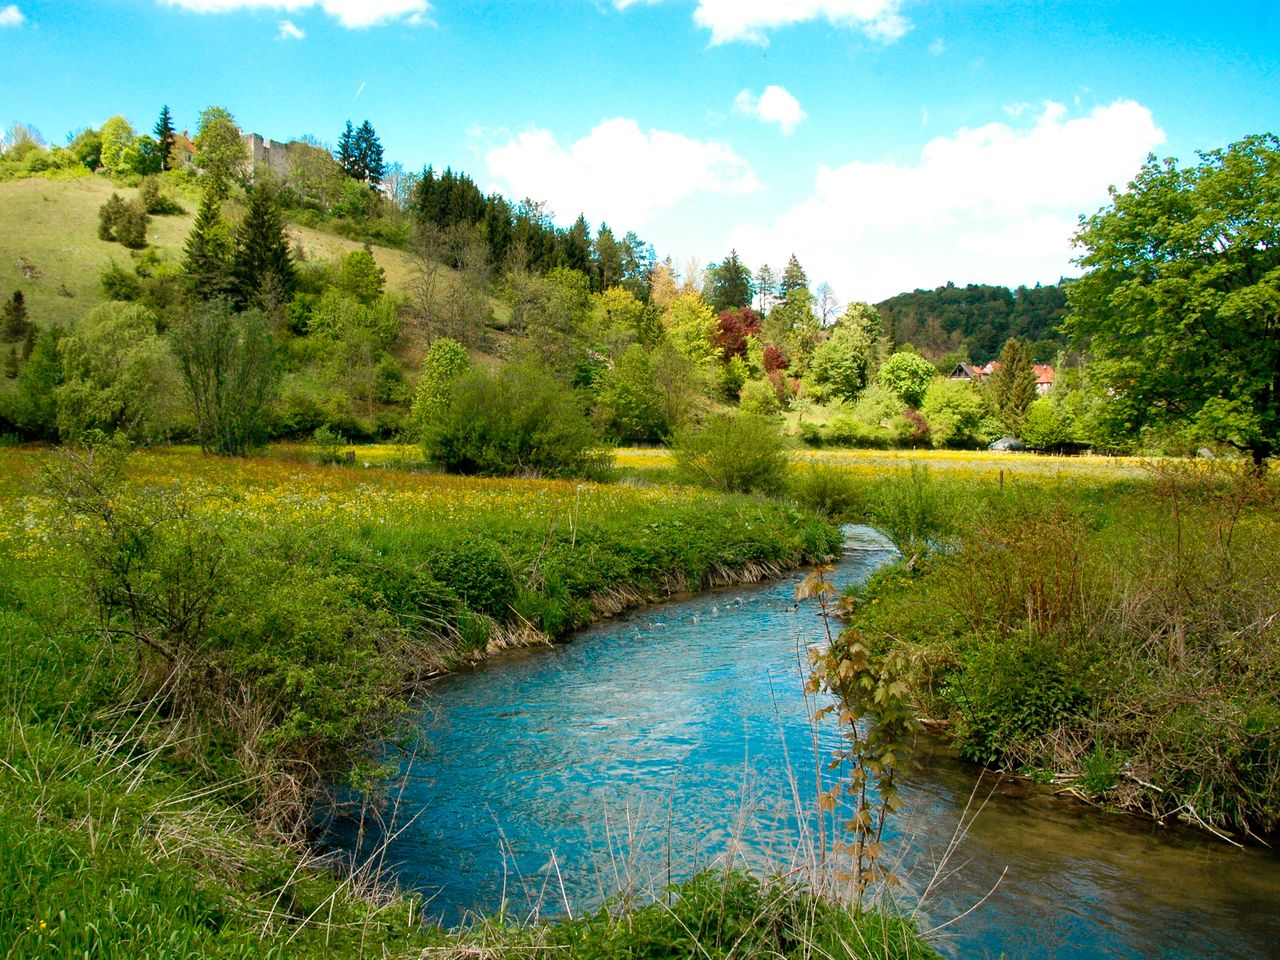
x: 52, y: 226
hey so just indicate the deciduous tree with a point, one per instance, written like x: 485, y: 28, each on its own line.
x: 1180, y: 303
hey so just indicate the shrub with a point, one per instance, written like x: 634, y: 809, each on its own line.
x: 759, y: 397
x: 631, y: 403
x: 828, y: 490
x: 739, y: 453
x: 519, y: 421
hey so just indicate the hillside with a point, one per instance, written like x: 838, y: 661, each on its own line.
x: 52, y: 226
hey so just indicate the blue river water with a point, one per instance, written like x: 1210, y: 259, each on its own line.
x: 678, y: 736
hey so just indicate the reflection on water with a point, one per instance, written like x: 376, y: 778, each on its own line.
x: 662, y: 740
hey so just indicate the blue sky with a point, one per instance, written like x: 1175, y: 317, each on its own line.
x: 889, y: 143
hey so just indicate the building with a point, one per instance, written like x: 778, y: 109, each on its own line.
x: 265, y: 155
x: 973, y: 373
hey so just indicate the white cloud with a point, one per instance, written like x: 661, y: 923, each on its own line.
x: 618, y: 172
x: 751, y: 20
x: 995, y: 204
x: 11, y: 16
x: 775, y: 105
x: 938, y: 47
x: 291, y: 31
x: 349, y: 13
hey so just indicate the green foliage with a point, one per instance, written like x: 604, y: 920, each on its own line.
x: 116, y: 136
x: 207, y: 252
x: 907, y: 376
x: 262, y: 266
x: 1180, y: 295
x: 444, y: 363
x: 518, y: 421
x: 955, y: 412
x: 740, y: 453
x: 843, y: 363
x: 691, y: 328
x: 827, y: 490
x: 115, y: 369
x: 917, y: 512
x: 759, y: 397
x: 360, y: 277
x: 1047, y: 425
x: 631, y: 404
x: 1013, y: 385
x: 120, y: 283
x: 1010, y: 691
x: 220, y: 153
x: 230, y: 375
x: 153, y: 199
x: 34, y: 405
x: 15, y: 321
x: 728, y: 284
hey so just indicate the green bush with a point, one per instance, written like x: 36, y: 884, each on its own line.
x: 518, y: 421
x: 739, y: 453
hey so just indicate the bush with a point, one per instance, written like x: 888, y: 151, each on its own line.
x: 759, y: 397
x: 740, y: 453
x: 519, y: 421
x: 828, y: 490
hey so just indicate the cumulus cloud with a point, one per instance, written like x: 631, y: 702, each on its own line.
x: 11, y: 16
x: 291, y: 31
x: 996, y: 204
x: 775, y: 105
x: 349, y: 13
x: 751, y: 20
x: 618, y: 172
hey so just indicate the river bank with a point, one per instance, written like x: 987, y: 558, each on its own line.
x: 195, y: 647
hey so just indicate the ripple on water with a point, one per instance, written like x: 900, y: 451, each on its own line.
x: 683, y: 728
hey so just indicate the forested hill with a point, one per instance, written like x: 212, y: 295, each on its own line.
x: 977, y: 319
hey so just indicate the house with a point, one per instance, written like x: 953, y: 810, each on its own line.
x: 184, y: 151
x: 1044, y: 378
x: 974, y: 373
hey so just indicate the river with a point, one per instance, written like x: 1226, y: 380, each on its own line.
x: 678, y: 735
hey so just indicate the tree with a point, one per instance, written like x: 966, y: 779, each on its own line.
x: 691, y: 329
x: 844, y: 362
x: 262, y: 260
x: 113, y: 372
x: 1046, y: 425
x: 230, y: 375
x: 1180, y: 303
x: 826, y: 303
x: 15, y: 322
x: 220, y: 152
x: 793, y: 278
x: 444, y: 363
x: 165, y: 138
x: 35, y: 399
x: 1013, y: 384
x: 728, y: 284
x: 346, y: 154
x: 369, y: 164
x: 631, y: 402
x: 954, y: 412
x: 117, y: 134
x: 359, y: 276
x: 907, y: 376
x: 766, y: 289
x: 734, y: 326
x: 207, y: 252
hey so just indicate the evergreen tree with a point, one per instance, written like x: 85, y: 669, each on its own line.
x: 370, y: 166
x: 728, y: 284
x: 766, y: 288
x: 346, y: 152
x: 262, y: 257
x: 29, y: 342
x: 1013, y: 383
x: 793, y: 278
x: 207, y: 253
x: 110, y: 214
x: 16, y: 323
x: 165, y: 138
x: 11, y: 363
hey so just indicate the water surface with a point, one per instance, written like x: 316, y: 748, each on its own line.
x: 678, y: 735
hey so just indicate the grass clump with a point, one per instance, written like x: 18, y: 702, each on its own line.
x: 1119, y: 638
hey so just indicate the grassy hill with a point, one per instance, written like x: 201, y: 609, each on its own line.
x: 52, y: 225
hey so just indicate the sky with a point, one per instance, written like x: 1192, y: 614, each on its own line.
x: 889, y: 144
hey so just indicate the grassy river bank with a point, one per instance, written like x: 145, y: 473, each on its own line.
x: 196, y: 649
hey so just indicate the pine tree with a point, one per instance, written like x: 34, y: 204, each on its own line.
x: 370, y: 166
x: 165, y: 138
x: 207, y: 253
x: 793, y: 278
x: 16, y: 322
x: 11, y: 364
x: 347, y: 153
x: 766, y: 288
x: 262, y: 259
x: 29, y: 342
x: 1013, y: 383
x: 728, y: 284
x: 109, y: 216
